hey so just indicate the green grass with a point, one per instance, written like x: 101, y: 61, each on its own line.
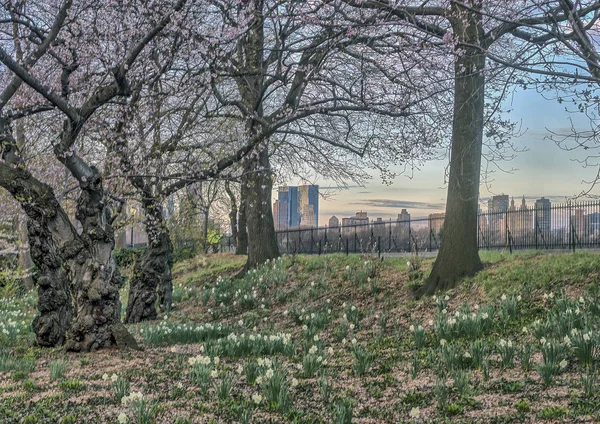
x: 320, y: 345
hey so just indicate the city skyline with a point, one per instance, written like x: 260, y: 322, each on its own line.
x: 541, y: 168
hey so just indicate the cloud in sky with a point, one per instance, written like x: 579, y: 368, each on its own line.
x: 399, y: 204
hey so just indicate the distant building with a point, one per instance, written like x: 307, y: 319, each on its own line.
x: 404, y: 216
x: 580, y: 222
x: 520, y: 221
x: 308, y: 219
x: 543, y: 216
x: 498, y: 203
x: 281, y: 215
x: 309, y: 195
x: 292, y: 204
x: 360, y: 218
x: 334, y: 222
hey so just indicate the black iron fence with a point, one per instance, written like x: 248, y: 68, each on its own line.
x: 560, y: 226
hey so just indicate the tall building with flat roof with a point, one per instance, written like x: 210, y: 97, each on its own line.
x: 294, y: 206
x: 543, y: 215
x: 309, y: 195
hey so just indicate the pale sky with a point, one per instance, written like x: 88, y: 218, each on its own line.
x: 543, y: 170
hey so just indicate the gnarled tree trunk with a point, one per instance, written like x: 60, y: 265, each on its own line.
x: 262, y: 240
x: 152, y: 275
x: 51, y: 238
x: 458, y: 256
x: 95, y: 278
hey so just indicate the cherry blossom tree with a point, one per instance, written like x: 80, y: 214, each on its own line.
x: 302, y: 77
x: 77, y: 57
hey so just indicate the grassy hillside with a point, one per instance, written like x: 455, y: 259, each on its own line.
x: 331, y: 339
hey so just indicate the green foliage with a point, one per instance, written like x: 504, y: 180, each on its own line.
x: 522, y: 406
x: 125, y: 257
x: 554, y: 412
x: 342, y: 412
x: 57, y: 369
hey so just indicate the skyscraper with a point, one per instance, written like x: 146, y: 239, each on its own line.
x: 296, y: 206
x: 309, y: 195
x: 543, y: 216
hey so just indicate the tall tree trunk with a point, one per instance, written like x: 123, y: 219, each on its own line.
x: 458, y: 256
x: 51, y: 238
x: 262, y: 240
x: 233, y: 212
x: 95, y: 278
x: 242, y: 234
x: 25, y: 261
x: 152, y: 275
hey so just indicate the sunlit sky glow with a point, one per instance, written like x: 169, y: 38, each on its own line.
x: 543, y: 170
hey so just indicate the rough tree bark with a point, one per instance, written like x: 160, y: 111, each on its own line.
x: 458, y: 256
x: 51, y: 239
x: 261, y: 229
x: 152, y: 275
x: 95, y: 278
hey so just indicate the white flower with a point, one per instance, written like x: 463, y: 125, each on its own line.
x: 586, y: 337
x: 519, y: 298
x: 509, y: 343
x: 259, y: 380
x: 313, y: 349
x: 430, y: 322
x: 239, y: 370
x: 563, y: 364
x: 180, y: 385
x: 294, y: 382
x: 484, y: 315
x: 415, y: 412
x: 269, y: 373
x: 411, y: 328
x: 122, y: 418
x: 316, y: 338
x: 344, y: 341
x: 502, y: 343
x: 256, y: 398
x: 214, y: 374
x: 173, y: 349
x: 354, y: 341
x: 467, y: 355
x: 581, y: 300
x: 551, y: 295
x: 347, y: 267
x: 114, y: 378
x: 351, y: 326
x: 442, y: 342
x: 476, y: 307
x: 447, y: 298
x: 567, y: 341
x: 524, y: 330
x: 330, y: 351
x: 104, y: 376
x: 444, y: 311
x: 543, y: 341
x: 503, y: 298
x: 240, y: 323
